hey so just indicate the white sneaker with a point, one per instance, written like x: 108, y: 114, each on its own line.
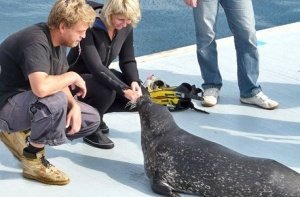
x: 210, y: 97
x: 260, y: 100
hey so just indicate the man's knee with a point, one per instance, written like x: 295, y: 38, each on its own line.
x: 48, y: 120
x: 51, y: 106
x: 54, y: 103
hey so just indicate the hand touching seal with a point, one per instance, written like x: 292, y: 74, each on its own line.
x: 131, y: 95
x: 136, y: 87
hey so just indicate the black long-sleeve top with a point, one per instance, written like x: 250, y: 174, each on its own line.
x: 98, y: 51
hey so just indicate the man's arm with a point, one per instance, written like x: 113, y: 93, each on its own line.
x: 43, y: 85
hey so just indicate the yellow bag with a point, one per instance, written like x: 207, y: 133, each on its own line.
x: 175, y: 98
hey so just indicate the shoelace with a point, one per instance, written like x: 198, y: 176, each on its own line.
x: 45, y: 162
x: 27, y: 140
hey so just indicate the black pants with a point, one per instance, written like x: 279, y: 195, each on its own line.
x: 103, y: 98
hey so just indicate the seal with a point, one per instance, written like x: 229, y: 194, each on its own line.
x: 176, y: 162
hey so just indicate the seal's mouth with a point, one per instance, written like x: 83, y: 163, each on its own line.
x: 130, y: 105
x: 142, y: 100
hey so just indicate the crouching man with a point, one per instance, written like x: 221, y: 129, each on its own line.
x: 34, y: 89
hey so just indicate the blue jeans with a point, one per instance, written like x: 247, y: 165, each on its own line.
x: 240, y: 18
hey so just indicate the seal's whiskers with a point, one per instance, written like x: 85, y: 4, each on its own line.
x: 131, y: 105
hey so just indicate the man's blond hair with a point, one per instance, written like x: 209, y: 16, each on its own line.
x: 70, y: 12
x: 128, y: 8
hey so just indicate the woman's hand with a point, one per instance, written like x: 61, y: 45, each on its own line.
x: 192, y: 3
x: 136, y: 87
x: 134, y: 92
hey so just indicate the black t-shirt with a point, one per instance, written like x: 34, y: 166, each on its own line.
x: 24, y: 52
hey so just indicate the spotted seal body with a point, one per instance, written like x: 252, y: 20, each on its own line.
x: 178, y: 162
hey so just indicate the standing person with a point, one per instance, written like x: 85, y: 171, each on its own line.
x: 240, y: 17
x: 34, y: 88
x: 110, y: 37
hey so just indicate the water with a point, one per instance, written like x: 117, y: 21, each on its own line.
x: 166, y: 24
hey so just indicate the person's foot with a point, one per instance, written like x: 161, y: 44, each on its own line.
x: 260, y: 100
x: 99, y: 140
x: 15, y: 141
x: 37, y: 167
x: 210, y: 97
x: 103, y: 127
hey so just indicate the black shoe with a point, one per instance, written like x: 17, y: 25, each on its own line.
x: 99, y: 140
x: 103, y: 128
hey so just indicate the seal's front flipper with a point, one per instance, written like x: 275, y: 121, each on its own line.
x: 160, y: 187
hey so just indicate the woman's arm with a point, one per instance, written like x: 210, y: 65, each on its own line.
x: 127, y: 60
x: 93, y: 62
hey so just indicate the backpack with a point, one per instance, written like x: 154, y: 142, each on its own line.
x: 175, y: 98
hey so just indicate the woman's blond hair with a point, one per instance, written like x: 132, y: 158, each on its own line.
x: 128, y: 8
x: 70, y: 12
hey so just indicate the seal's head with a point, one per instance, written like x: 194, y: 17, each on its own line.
x: 151, y: 112
x: 155, y: 119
